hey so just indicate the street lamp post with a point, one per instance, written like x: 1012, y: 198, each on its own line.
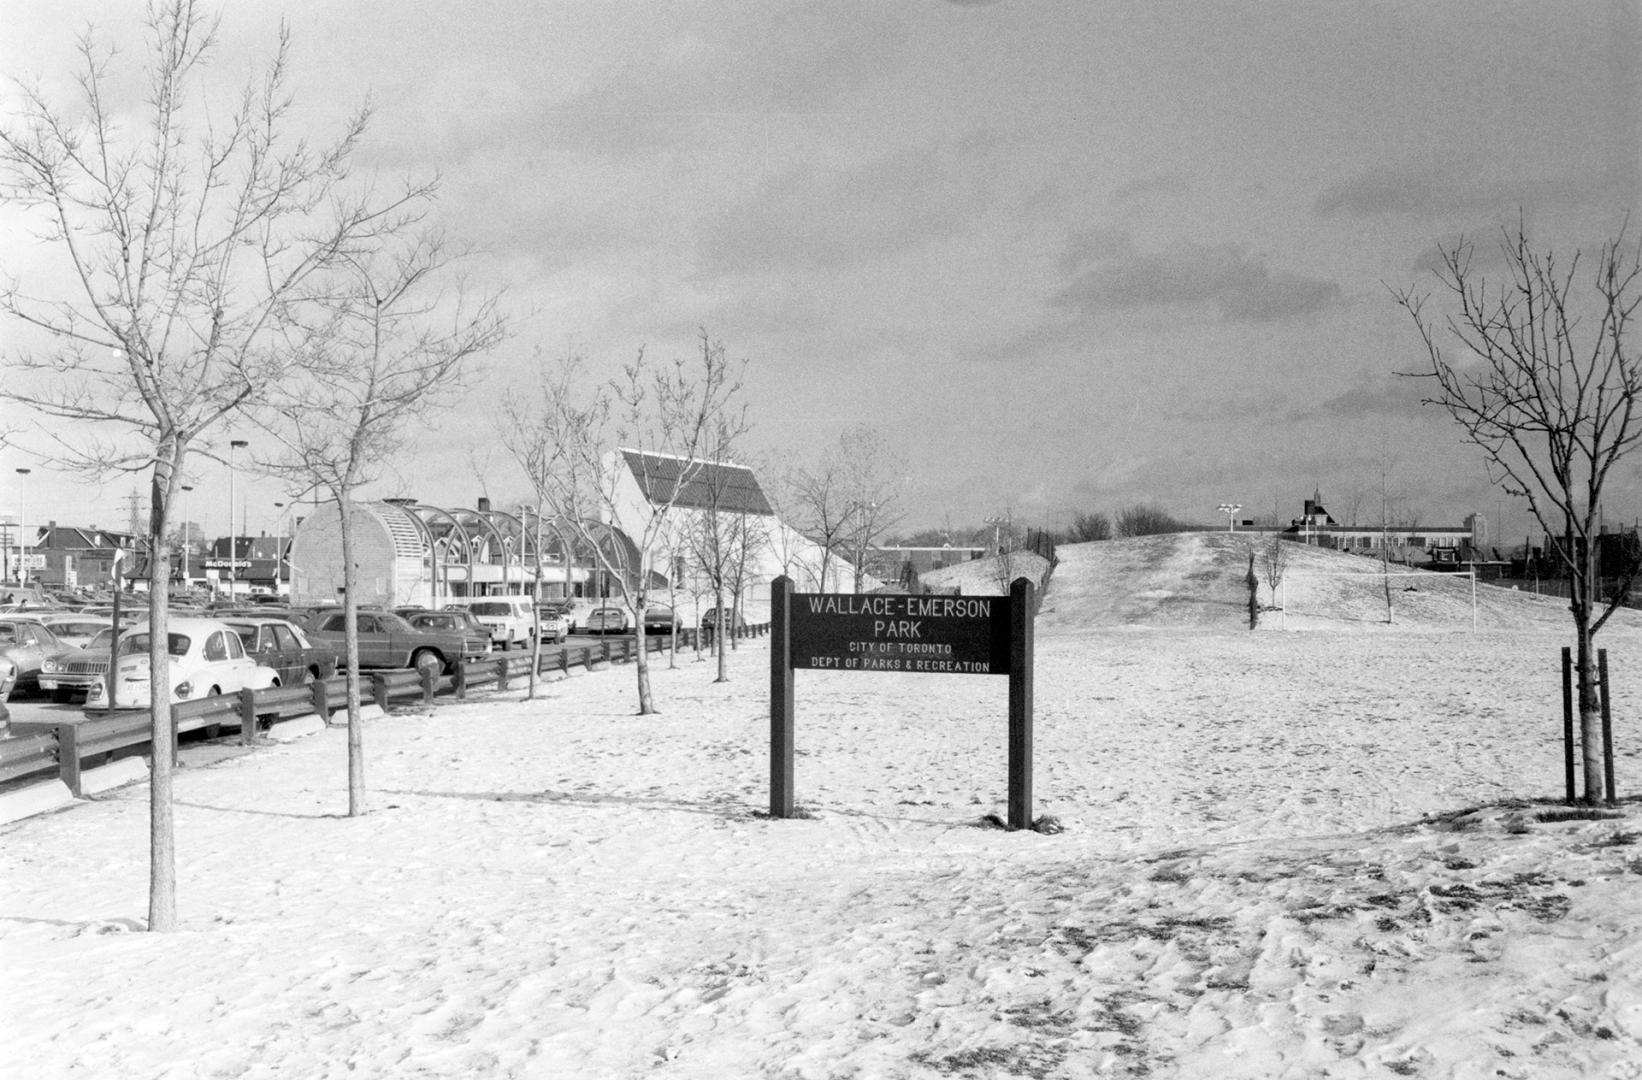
x: 1230, y: 510
x: 233, y: 535
x: 279, y: 546
x: 22, y: 529
x: 187, y: 580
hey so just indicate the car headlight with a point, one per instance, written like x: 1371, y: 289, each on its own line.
x: 51, y: 665
x: 184, y: 688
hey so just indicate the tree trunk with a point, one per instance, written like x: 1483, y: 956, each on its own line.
x: 641, y: 662
x: 720, y: 628
x: 1590, y: 711
x: 162, y: 863
x: 1254, y: 593
x: 350, y: 624
x: 1582, y: 592
x: 536, y: 628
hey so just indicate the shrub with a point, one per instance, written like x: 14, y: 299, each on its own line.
x: 1146, y: 520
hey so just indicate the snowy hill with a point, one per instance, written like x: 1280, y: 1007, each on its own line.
x: 1198, y: 580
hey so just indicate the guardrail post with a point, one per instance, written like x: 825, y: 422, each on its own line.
x: 247, y: 718
x: 379, y: 689
x: 430, y: 679
x: 501, y: 672
x: 564, y: 660
x: 605, y: 648
x: 460, y: 681
x: 68, y: 757
x: 320, y: 691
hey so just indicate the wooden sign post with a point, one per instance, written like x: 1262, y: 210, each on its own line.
x: 965, y: 635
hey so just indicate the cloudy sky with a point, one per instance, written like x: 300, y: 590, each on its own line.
x: 1067, y: 256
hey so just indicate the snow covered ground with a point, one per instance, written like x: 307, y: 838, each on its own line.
x: 1285, y: 854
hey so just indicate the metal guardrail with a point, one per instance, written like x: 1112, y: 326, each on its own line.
x: 64, y: 748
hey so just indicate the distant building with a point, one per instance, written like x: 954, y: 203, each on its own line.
x: 1415, y: 544
x: 72, y: 557
x: 643, y: 482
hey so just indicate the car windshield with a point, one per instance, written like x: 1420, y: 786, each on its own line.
x: 76, y: 629
x: 493, y: 610
x: 133, y: 644
x: 104, y: 638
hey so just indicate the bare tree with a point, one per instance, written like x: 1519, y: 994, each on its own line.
x: 1536, y: 369
x: 873, y: 475
x: 818, y: 498
x: 711, y: 538
x: 186, y: 231
x: 1274, y: 558
x: 380, y: 345
x: 1089, y: 525
x: 660, y: 425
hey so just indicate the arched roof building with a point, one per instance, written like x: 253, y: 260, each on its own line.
x: 409, y: 553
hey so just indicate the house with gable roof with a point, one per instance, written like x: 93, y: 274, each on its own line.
x: 645, y: 483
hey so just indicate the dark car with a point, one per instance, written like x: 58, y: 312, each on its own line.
x: 733, y: 622
x: 451, y: 618
x: 28, y: 645
x: 281, y: 645
x: 386, y: 640
x: 660, y: 619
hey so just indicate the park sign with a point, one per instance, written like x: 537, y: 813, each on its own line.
x: 966, y: 635
x: 960, y: 635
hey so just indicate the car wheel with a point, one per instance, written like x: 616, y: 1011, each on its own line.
x: 310, y: 677
x: 428, y: 660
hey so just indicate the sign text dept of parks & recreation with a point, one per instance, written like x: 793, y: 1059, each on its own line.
x: 950, y: 634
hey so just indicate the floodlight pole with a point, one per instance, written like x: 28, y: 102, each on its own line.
x: 233, y: 537
x: 22, y: 529
x: 1230, y: 510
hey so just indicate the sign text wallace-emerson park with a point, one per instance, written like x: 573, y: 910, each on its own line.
x: 954, y: 634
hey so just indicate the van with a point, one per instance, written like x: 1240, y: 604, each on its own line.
x: 512, y: 619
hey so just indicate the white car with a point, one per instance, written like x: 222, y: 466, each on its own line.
x: 555, y: 627
x: 207, y: 659
x: 512, y: 619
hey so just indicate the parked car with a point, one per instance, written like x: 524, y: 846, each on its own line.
x: 207, y: 659
x: 733, y: 621
x: 386, y: 640
x: 660, y: 619
x: 555, y: 626
x: 575, y: 610
x: 512, y: 619
x: 28, y: 644
x: 280, y: 644
x: 78, y: 629
x: 606, y: 620
x: 450, y: 618
x: 78, y: 670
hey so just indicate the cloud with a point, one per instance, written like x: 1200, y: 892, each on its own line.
x: 1385, y: 192
x: 1109, y: 274
x: 805, y: 218
x: 1379, y: 395
x: 1158, y: 185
